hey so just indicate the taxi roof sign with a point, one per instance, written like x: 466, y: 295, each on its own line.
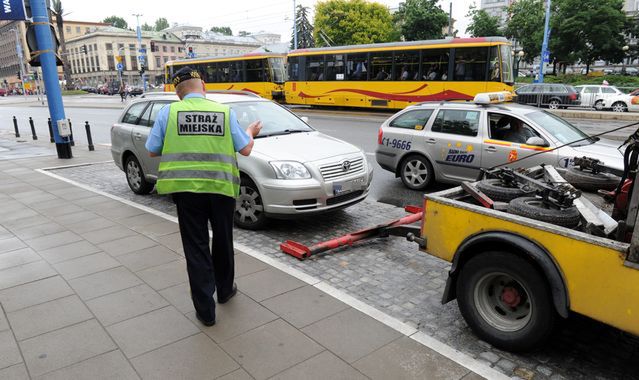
x: 493, y: 97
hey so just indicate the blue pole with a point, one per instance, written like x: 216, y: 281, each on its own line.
x: 142, y: 59
x: 544, y: 45
x: 50, y: 74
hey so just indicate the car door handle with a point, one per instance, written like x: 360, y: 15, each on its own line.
x: 138, y: 136
x: 431, y: 141
x: 491, y: 149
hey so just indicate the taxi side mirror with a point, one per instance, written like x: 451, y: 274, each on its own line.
x: 536, y: 141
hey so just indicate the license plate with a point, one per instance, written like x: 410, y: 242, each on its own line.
x: 347, y: 186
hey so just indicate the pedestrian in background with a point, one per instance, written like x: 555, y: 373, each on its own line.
x: 122, y: 92
x: 197, y: 139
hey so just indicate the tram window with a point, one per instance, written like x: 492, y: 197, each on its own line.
x: 381, y: 65
x: 315, y: 69
x: 223, y: 69
x: 235, y: 73
x: 493, y: 67
x: 211, y: 73
x: 406, y: 65
x: 293, y: 68
x: 470, y: 64
x: 357, y: 66
x: 435, y: 64
x: 255, y: 70
x: 335, y: 67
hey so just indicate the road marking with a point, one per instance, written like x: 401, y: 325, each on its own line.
x: 390, y: 321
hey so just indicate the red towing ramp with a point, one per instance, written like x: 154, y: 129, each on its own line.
x: 302, y: 251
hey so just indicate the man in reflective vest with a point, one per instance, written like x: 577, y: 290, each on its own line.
x: 197, y: 139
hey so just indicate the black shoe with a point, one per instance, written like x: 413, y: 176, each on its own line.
x: 204, y: 321
x: 228, y: 297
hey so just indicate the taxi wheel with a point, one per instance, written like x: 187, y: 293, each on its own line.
x: 135, y: 176
x: 249, y: 207
x: 416, y: 172
x: 506, y: 301
x: 619, y: 107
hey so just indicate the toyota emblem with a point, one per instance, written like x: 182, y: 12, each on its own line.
x: 346, y: 165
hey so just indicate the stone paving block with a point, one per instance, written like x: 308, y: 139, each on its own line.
x: 236, y: 317
x: 74, y: 194
x: 13, y: 215
x: 76, y: 217
x: 286, y: 347
x: 320, y: 367
x: 23, y: 223
x: 165, y: 275
x: 11, y: 244
x: 303, y: 306
x: 350, y: 334
x: 85, y: 265
x: 126, y: 245
x: 4, y: 324
x: 195, y: 357
x: 108, y: 234
x: 18, y: 257
x: 47, y: 227
x: 148, y: 257
x: 406, y: 359
x: 69, y: 251
x: 101, y: 283
x: 172, y: 242
x: 179, y: 296
x: 267, y: 283
x: 61, y: 209
x: 53, y: 240
x: 92, y: 200
x: 147, y: 332
x: 119, y: 306
x: 137, y: 221
x: 48, y: 316
x: 158, y: 229
x: 245, y: 264
x: 60, y: 348
x: 111, y: 365
x: 240, y: 374
x: 97, y: 223
x: 473, y: 376
x: 9, y: 352
x: 120, y: 211
x: 34, y: 293
x: 15, y: 372
x: 25, y: 273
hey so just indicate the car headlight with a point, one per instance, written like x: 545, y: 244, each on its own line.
x: 290, y: 170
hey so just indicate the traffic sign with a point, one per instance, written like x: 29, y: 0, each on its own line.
x: 143, y: 50
x: 546, y: 56
x: 119, y: 66
x: 12, y: 10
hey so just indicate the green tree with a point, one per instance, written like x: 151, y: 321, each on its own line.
x: 225, y: 30
x: 146, y: 27
x: 421, y: 20
x: 304, y: 30
x: 116, y: 21
x: 482, y: 24
x: 58, y: 12
x: 161, y: 23
x: 526, y: 25
x: 351, y: 22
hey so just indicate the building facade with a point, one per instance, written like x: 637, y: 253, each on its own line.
x: 496, y: 8
x: 12, y: 32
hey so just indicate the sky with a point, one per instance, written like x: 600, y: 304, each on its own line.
x: 274, y: 16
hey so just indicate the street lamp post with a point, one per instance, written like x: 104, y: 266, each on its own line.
x: 519, y: 56
x: 623, y: 61
x: 20, y: 59
x: 142, y: 56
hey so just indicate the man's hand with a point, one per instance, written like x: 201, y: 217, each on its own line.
x: 254, y: 128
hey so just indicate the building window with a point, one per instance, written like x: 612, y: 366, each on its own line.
x: 166, y: 59
x: 172, y: 49
x: 111, y: 62
x: 163, y: 49
x: 158, y: 64
x: 132, y: 47
x: 173, y: 58
x: 86, y: 30
x: 77, y: 29
x: 68, y: 29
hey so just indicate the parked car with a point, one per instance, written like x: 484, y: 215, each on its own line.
x: 632, y: 71
x: 3, y: 92
x: 592, y: 95
x: 135, y: 91
x: 623, y: 103
x: 450, y: 141
x: 551, y: 95
x: 293, y: 170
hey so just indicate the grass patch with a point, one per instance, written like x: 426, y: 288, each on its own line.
x: 73, y: 92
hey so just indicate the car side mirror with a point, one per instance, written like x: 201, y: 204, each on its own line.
x: 304, y: 119
x: 536, y: 141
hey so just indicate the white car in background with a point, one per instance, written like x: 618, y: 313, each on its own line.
x: 592, y: 95
x: 623, y: 103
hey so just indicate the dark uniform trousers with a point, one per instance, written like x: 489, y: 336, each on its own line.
x: 208, y: 268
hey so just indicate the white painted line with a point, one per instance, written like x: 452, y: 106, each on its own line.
x: 73, y: 166
x: 392, y: 322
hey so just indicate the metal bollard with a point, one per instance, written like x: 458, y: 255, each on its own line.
x: 89, y: 139
x: 51, y: 139
x: 71, y: 129
x: 33, y: 132
x: 15, y: 126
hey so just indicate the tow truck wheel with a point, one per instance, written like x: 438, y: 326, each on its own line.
x: 135, y: 176
x: 249, y: 208
x: 416, y: 172
x: 506, y: 301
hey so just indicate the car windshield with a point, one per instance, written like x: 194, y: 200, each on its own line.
x: 276, y: 120
x: 559, y: 128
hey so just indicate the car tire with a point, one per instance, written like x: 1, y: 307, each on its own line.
x: 506, y: 301
x: 553, y: 104
x: 496, y: 190
x: 535, y: 208
x: 619, y: 107
x: 249, y: 207
x: 135, y: 176
x: 598, y: 105
x: 588, y: 181
x: 416, y: 172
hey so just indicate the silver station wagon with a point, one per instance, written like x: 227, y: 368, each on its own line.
x: 293, y: 169
x: 450, y: 141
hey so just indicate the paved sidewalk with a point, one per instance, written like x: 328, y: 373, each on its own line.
x: 91, y: 287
